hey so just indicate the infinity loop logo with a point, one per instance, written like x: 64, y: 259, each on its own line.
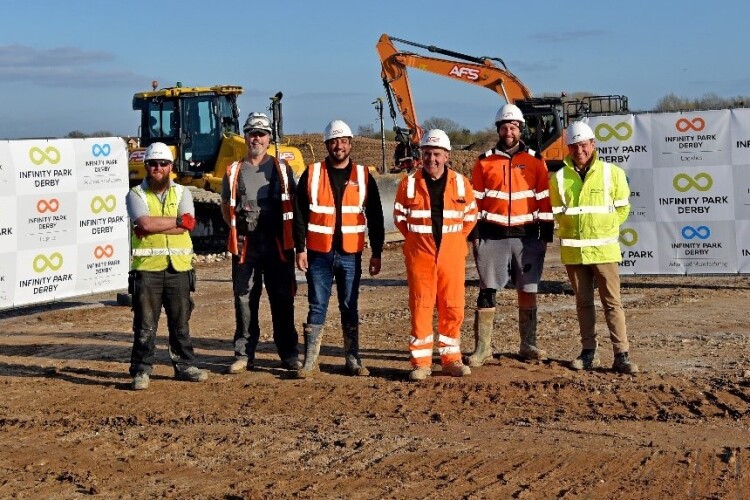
x: 42, y: 262
x: 99, y: 150
x: 700, y: 232
x: 701, y: 182
x: 37, y: 156
x: 628, y: 237
x: 98, y: 203
x: 104, y: 251
x: 605, y: 132
x: 50, y: 205
x: 683, y: 124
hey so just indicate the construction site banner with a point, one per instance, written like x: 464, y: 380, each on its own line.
x: 690, y: 189
x: 63, y: 223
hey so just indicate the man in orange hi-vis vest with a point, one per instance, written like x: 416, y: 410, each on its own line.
x: 435, y: 211
x: 338, y: 200
x: 257, y: 205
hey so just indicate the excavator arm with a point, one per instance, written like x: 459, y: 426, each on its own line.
x: 479, y: 71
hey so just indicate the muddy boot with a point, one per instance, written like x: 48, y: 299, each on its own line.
x: 313, y: 339
x: 623, y: 364
x: 483, y: 319
x: 354, y: 364
x: 527, y: 329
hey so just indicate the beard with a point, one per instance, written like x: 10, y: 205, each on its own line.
x: 158, y: 186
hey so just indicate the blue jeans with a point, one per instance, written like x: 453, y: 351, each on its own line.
x: 322, y: 269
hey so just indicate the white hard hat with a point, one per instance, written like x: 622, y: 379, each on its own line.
x: 509, y: 112
x: 257, y: 121
x: 158, y: 151
x: 577, y: 132
x: 336, y: 129
x: 436, y: 138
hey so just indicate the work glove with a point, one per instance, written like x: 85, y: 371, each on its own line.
x: 188, y: 222
x: 139, y: 232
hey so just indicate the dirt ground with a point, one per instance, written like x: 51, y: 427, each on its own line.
x: 70, y: 427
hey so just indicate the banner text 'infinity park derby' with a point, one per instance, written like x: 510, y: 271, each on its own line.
x: 689, y: 176
x: 63, y: 222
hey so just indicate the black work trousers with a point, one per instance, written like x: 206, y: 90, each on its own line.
x: 151, y: 291
x: 264, y: 265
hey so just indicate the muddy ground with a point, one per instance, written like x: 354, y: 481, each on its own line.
x: 70, y: 427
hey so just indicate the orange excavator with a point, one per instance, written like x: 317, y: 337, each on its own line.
x: 546, y: 117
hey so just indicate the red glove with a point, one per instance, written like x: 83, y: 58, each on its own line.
x: 139, y: 232
x: 188, y: 222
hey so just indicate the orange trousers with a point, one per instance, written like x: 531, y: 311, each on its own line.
x: 436, y: 282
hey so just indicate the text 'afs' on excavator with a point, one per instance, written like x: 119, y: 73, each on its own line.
x: 546, y: 117
x: 202, y: 127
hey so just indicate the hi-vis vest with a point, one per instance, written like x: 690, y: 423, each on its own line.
x: 155, y: 251
x: 322, y: 217
x: 511, y: 190
x: 287, y: 212
x: 589, y: 213
x: 412, y: 214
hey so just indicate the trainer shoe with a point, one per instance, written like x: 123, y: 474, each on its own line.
x: 456, y: 369
x: 191, y: 374
x: 587, y: 360
x: 420, y: 373
x: 238, y: 366
x: 623, y: 364
x: 140, y: 381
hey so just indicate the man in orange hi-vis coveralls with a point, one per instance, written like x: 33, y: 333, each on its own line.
x: 435, y: 211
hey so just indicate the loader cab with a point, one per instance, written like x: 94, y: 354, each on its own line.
x: 194, y: 122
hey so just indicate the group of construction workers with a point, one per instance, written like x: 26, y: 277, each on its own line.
x: 506, y: 213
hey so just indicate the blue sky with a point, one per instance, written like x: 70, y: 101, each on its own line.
x: 75, y: 65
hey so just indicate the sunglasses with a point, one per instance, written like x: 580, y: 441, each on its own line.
x: 158, y: 163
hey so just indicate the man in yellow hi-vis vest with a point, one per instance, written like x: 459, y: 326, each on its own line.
x: 161, y: 268
x: 590, y: 201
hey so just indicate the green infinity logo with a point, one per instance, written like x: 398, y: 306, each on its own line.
x: 42, y: 262
x: 622, y: 131
x: 683, y: 182
x: 37, y: 156
x: 628, y: 237
x: 98, y: 203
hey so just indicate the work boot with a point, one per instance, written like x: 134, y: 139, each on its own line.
x: 140, y: 381
x: 239, y: 366
x: 354, y: 364
x: 623, y: 364
x: 292, y: 364
x: 483, y: 320
x: 456, y: 369
x: 587, y: 360
x: 420, y: 373
x: 527, y: 329
x: 313, y: 339
x: 191, y: 374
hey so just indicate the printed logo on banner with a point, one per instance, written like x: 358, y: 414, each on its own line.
x: 621, y: 131
x: 628, y: 237
x: 38, y: 156
x: 683, y: 124
x: 107, y: 204
x: 43, y: 262
x: 683, y: 182
x: 700, y: 232
x: 101, y: 150
x: 101, y: 252
x: 51, y: 205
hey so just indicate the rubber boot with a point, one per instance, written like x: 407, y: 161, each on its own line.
x: 483, y: 320
x: 313, y: 339
x: 354, y: 364
x: 527, y: 329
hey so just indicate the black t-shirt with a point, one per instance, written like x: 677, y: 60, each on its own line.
x: 436, y: 189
